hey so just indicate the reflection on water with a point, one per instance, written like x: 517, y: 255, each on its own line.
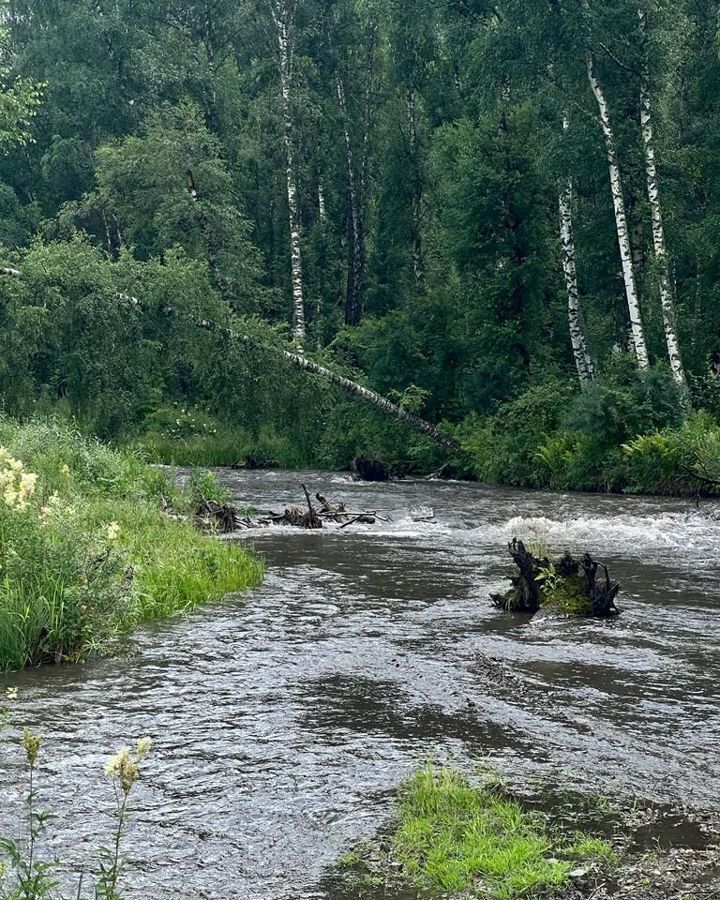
x: 282, y: 722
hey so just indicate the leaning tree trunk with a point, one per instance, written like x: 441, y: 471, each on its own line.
x: 621, y: 224
x: 306, y: 365
x: 658, y: 228
x: 355, y: 303
x: 283, y: 13
x: 379, y: 402
x: 578, y: 338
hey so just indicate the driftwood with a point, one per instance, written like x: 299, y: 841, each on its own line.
x: 567, y: 585
x: 226, y: 519
x: 219, y: 517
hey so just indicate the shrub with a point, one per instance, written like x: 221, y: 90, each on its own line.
x: 679, y: 460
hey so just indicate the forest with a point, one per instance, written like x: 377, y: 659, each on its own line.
x: 501, y: 216
x: 326, y: 328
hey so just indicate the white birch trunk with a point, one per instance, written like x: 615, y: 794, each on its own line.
x: 578, y: 339
x: 282, y: 13
x: 621, y: 224
x: 417, y: 257
x: 658, y: 228
x: 356, y: 270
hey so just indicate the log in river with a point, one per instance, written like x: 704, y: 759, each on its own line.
x: 282, y: 722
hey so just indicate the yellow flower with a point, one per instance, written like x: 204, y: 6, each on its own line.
x: 143, y: 747
x: 11, y: 497
x: 11, y: 693
x: 113, y: 531
x: 31, y: 743
x: 65, y: 470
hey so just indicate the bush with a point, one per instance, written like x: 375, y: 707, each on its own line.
x: 676, y: 461
x: 502, y: 449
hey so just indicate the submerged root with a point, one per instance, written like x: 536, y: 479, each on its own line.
x: 568, y: 585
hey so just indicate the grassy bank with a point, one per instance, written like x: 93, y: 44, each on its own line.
x: 456, y: 840
x: 94, y: 542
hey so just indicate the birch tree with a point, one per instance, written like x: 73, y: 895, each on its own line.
x: 637, y: 329
x: 355, y: 302
x: 583, y: 360
x: 283, y: 14
x: 658, y: 228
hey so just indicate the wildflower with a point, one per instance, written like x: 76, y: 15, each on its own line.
x: 11, y: 694
x: 143, y: 747
x: 65, y: 470
x: 16, y: 465
x: 31, y: 743
x: 11, y: 497
x: 123, y: 767
x: 28, y: 481
x: 113, y: 531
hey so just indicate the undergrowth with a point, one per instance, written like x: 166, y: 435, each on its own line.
x: 93, y: 541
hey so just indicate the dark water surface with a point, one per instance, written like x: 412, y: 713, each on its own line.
x: 282, y: 722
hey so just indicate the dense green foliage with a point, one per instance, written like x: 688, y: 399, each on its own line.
x: 476, y: 842
x: 86, y: 551
x: 144, y: 188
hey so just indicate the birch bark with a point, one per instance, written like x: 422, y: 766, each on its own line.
x: 658, y: 228
x: 355, y: 302
x: 417, y: 255
x: 621, y: 223
x: 578, y: 338
x: 283, y: 14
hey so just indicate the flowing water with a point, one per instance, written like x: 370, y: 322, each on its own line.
x: 283, y: 721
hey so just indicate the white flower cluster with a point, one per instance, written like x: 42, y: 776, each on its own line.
x: 16, y: 485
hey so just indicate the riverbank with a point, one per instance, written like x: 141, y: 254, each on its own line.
x: 456, y: 839
x: 521, y: 446
x: 94, y: 542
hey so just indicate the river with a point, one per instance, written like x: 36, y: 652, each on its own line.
x: 283, y: 721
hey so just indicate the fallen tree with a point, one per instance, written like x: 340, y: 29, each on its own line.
x: 568, y: 585
x: 307, y: 365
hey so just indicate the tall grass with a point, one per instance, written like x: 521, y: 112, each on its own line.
x: 96, y: 543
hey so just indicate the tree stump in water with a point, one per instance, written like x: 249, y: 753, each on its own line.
x: 370, y: 469
x: 567, y: 585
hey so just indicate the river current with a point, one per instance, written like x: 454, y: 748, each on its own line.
x: 283, y: 721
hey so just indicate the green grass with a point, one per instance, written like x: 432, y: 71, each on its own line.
x: 476, y: 842
x: 187, y: 436
x: 103, y: 543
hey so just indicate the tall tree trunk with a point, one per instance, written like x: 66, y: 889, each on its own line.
x: 283, y: 13
x: 658, y: 228
x: 578, y: 338
x: 355, y: 302
x: 417, y: 255
x: 621, y: 224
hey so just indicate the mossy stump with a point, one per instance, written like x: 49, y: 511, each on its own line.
x: 567, y: 585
